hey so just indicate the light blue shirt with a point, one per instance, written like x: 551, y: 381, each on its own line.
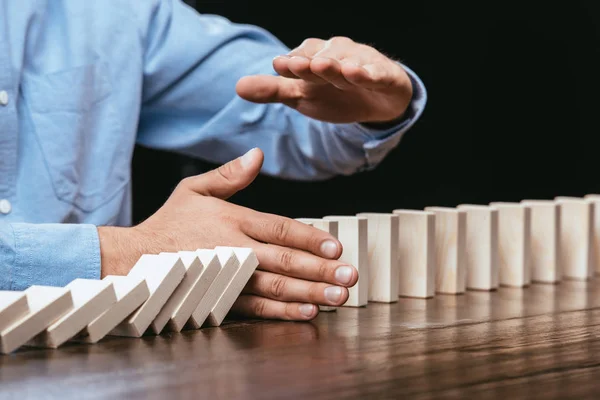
x: 81, y: 82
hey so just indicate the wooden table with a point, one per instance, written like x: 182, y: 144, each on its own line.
x: 540, y: 342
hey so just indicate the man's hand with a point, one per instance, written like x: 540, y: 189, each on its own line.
x: 337, y: 80
x: 298, y: 263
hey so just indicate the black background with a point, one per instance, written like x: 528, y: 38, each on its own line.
x: 512, y: 110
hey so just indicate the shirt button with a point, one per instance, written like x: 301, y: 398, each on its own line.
x: 3, y: 97
x: 5, y: 206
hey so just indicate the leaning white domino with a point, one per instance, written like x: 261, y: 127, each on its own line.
x: 416, y: 253
x: 384, y: 273
x: 595, y: 200
x: 353, y: 234
x: 247, y: 265
x: 131, y: 293
x: 228, y: 264
x: 209, y: 268
x: 13, y: 306
x: 91, y: 297
x: 46, y: 304
x: 575, y: 237
x: 163, y: 272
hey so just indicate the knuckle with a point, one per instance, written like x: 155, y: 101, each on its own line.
x: 286, y: 260
x: 259, y: 307
x: 323, y: 271
x: 309, y: 42
x: 340, y: 40
x: 277, y: 287
x: 281, y: 229
x: 226, y: 172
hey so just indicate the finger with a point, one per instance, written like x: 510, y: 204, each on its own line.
x: 379, y: 75
x: 229, y: 178
x: 303, y: 265
x: 259, y: 307
x: 306, y: 50
x: 330, y: 70
x: 283, y: 288
x: 275, y: 229
x: 300, y: 68
x: 269, y: 89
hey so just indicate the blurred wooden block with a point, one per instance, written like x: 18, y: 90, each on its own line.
x: 46, y: 305
x: 595, y: 200
x: 481, y: 247
x: 13, y: 306
x: 382, y: 244
x: 416, y: 253
x: 163, y: 273
x: 450, y: 247
x: 352, y: 233
x: 514, y: 234
x: 575, y: 237
x: 544, y: 253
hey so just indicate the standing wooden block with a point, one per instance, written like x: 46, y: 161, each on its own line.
x: 543, y: 253
x: 91, y: 297
x: 595, y: 200
x: 327, y: 226
x: 575, y: 237
x: 416, y: 253
x: 482, y: 247
x: 163, y: 273
x: 450, y: 248
x: 46, y: 305
x: 247, y: 265
x: 13, y: 306
x: 131, y: 292
x: 383, y: 257
x: 352, y: 233
x: 514, y: 234
x: 228, y: 266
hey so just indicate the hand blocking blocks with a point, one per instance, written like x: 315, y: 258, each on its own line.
x: 165, y: 291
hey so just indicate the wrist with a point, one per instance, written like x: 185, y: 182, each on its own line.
x: 120, y: 248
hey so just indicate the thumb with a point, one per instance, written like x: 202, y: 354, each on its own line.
x: 229, y: 178
x: 268, y: 89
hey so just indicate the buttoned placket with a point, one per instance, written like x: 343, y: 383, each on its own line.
x: 8, y: 125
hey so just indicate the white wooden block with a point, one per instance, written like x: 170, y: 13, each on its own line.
x: 382, y: 244
x: 247, y: 265
x: 91, y: 297
x: 450, y: 249
x: 482, y: 247
x: 327, y: 226
x: 595, y: 200
x: 544, y: 253
x: 228, y: 266
x: 46, y: 305
x: 575, y: 237
x: 13, y: 306
x: 514, y: 235
x: 416, y: 253
x: 352, y: 233
x: 163, y: 273
x: 131, y: 293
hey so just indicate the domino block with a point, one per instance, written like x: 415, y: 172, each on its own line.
x: 514, y: 234
x: 228, y: 266
x: 416, y: 253
x: 450, y: 249
x: 544, y: 253
x: 382, y: 246
x: 595, y: 200
x: 163, y: 273
x: 575, y: 237
x: 13, y: 306
x: 482, y: 247
x: 247, y: 265
x: 46, y: 305
x: 91, y: 297
x: 327, y: 226
x: 352, y: 233
x: 131, y: 292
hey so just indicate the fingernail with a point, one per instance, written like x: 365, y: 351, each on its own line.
x: 329, y: 249
x: 344, y: 275
x: 247, y: 158
x: 333, y: 294
x: 308, y: 310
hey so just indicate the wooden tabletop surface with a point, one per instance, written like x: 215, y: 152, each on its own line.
x: 540, y: 342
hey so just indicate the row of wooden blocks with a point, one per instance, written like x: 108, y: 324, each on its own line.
x: 162, y: 292
x: 418, y: 253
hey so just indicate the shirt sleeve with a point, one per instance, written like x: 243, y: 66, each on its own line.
x: 192, y: 64
x: 47, y: 254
